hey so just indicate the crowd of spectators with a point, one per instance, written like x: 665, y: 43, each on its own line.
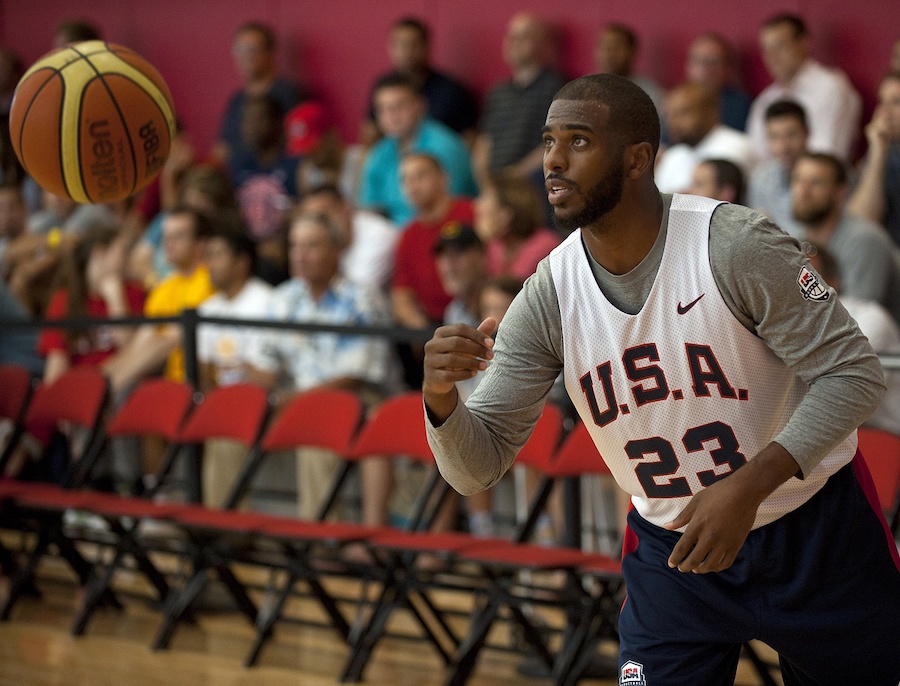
x: 433, y: 214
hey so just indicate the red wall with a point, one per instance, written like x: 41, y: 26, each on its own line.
x: 337, y: 46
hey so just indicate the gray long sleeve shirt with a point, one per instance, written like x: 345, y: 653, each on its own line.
x: 754, y: 265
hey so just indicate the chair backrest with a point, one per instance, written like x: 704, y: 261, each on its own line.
x: 541, y: 446
x: 237, y: 412
x: 322, y: 418
x: 397, y: 427
x: 78, y: 396
x: 15, y: 391
x: 156, y: 407
x: 881, y: 451
x: 578, y: 456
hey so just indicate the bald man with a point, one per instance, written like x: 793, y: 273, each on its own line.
x: 697, y: 134
x: 510, y: 136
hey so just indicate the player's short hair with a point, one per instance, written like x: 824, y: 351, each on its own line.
x: 416, y: 25
x: 626, y: 32
x: 796, y: 23
x: 263, y: 30
x: 397, y: 80
x: 893, y: 75
x: 839, y: 171
x: 727, y: 173
x: 238, y: 242
x: 786, y: 108
x: 632, y: 113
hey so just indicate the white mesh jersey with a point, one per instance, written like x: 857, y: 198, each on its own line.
x: 679, y: 394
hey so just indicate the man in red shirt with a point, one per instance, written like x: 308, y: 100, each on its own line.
x: 417, y: 298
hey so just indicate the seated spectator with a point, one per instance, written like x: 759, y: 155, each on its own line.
x: 74, y: 31
x: 449, y: 102
x: 202, y: 188
x: 28, y: 261
x: 368, y: 254
x: 152, y: 346
x: 324, y: 160
x: 877, y: 193
x: 696, y: 132
x: 508, y: 216
x: 877, y: 325
x: 832, y: 105
x: 769, y: 190
x: 254, y: 53
x: 515, y: 110
x: 719, y: 180
x: 264, y: 175
x: 67, y: 215
x: 91, y: 282
x: 299, y: 361
x: 615, y: 53
x: 868, y: 260
x: 401, y: 113
x: 223, y: 351
x: 417, y: 298
x: 710, y: 61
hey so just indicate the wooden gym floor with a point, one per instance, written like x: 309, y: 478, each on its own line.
x: 37, y: 650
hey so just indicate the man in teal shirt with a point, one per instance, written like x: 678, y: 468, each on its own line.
x: 400, y: 111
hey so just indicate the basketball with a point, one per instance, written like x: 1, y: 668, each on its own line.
x: 92, y: 122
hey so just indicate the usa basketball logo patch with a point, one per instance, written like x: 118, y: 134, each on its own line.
x: 811, y: 287
x: 632, y: 674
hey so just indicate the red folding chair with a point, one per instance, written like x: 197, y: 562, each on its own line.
x: 16, y: 385
x: 239, y: 413
x: 79, y: 398
x: 881, y: 451
x: 396, y: 428
x: 157, y: 407
x: 407, y: 588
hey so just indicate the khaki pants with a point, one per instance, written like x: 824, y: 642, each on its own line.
x: 222, y: 462
x: 316, y: 470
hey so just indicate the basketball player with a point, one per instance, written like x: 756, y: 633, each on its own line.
x: 721, y: 381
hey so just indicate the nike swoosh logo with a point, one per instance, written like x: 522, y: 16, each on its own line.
x: 684, y: 308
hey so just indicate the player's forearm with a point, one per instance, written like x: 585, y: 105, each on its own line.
x: 833, y: 407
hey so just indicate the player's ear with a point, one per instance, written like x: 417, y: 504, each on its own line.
x: 638, y: 160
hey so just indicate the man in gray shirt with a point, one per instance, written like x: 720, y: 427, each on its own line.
x: 756, y: 555
x: 868, y: 260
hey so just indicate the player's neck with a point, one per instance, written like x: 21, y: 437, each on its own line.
x: 621, y: 239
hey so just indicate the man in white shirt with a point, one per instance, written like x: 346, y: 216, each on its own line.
x: 832, y: 105
x: 697, y: 134
x: 368, y: 256
x: 222, y: 350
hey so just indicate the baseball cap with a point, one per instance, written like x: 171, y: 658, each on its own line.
x: 304, y: 127
x: 458, y: 236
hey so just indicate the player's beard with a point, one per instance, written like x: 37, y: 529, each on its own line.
x: 598, y: 201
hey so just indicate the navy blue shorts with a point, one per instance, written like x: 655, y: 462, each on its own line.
x: 821, y: 586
